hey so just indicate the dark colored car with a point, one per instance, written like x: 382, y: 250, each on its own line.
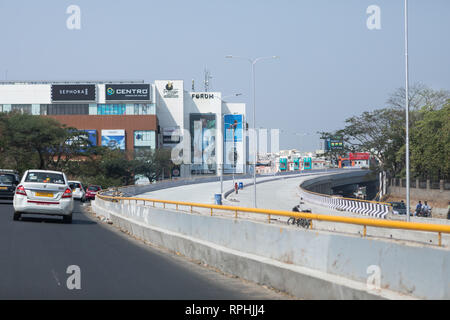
x: 398, y: 208
x: 9, y: 179
x: 91, y: 192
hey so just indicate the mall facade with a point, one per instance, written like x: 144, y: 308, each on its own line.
x: 207, y: 133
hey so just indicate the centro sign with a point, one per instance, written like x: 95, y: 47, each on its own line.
x: 127, y: 92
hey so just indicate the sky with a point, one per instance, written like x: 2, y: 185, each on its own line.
x: 330, y: 65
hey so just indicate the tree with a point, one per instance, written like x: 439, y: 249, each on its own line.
x: 419, y: 96
x: 430, y: 144
x: 382, y: 132
x: 153, y: 163
x: 28, y: 140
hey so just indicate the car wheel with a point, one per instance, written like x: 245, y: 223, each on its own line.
x: 16, y: 216
x: 67, y: 219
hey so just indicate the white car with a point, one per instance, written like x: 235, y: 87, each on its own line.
x: 44, y: 192
x: 78, y: 191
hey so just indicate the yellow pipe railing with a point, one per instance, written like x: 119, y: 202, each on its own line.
x: 365, y: 222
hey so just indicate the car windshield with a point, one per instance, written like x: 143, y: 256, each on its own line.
x: 75, y: 185
x: 45, y: 177
x: 93, y: 188
x: 6, y: 179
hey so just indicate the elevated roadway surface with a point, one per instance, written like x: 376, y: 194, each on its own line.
x: 284, y: 194
x: 36, y: 252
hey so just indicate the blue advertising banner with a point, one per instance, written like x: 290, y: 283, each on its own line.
x: 114, y: 139
x: 234, y: 159
x: 92, y: 136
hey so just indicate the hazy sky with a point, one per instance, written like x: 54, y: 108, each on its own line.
x: 331, y: 65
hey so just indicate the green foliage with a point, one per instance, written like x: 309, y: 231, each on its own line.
x: 153, y: 164
x: 382, y: 133
x: 430, y: 144
x: 34, y: 142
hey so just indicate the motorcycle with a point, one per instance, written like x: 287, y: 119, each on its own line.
x: 425, y: 213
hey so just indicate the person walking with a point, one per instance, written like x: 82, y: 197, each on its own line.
x: 236, y: 187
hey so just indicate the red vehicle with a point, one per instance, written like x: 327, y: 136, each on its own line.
x: 91, y: 192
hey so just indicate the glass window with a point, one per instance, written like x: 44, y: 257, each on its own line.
x: 45, y: 177
x: 7, y: 179
x: 64, y: 109
x: 23, y: 108
x: 143, y: 109
x: 111, y: 109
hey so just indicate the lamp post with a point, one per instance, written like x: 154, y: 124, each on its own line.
x: 407, y: 113
x: 253, y: 62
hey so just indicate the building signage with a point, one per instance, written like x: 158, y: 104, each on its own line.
x: 233, y: 143
x: 203, y: 142
x: 334, y: 143
x: 202, y: 95
x: 127, y: 92
x: 74, y: 92
x: 176, y: 171
x: 114, y: 139
x: 171, y: 135
x: 169, y: 91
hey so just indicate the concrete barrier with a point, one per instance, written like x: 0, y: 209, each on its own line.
x: 306, y: 263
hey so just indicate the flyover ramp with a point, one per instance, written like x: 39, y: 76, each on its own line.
x: 314, y: 264
x: 284, y: 194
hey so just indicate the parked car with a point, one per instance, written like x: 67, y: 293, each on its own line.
x: 43, y: 192
x: 91, y: 192
x: 78, y: 190
x: 398, y: 207
x: 9, y: 179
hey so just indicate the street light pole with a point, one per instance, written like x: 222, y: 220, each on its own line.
x: 253, y: 63
x: 407, y: 113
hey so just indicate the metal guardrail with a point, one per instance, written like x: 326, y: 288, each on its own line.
x: 365, y: 207
x: 365, y: 222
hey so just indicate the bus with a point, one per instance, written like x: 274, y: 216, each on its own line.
x: 283, y: 164
x: 296, y: 164
x: 307, y: 163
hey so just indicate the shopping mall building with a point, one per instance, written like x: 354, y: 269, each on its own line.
x: 134, y: 115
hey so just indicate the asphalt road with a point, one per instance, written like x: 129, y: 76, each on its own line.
x: 36, y: 252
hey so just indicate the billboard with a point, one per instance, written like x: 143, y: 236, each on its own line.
x: 171, y: 136
x: 203, y: 142
x: 234, y: 159
x: 90, y: 135
x: 73, y: 93
x: 334, y: 143
x: 127, y: 92
x: 144, y: 138
x: 114, y: 139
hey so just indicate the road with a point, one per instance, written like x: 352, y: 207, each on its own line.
x: 36, y: 252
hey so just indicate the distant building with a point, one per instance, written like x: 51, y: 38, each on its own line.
x: 134, y: 115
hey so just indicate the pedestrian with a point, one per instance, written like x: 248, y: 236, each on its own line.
x: 236, y: 187
x: 426, y: 209
x: 418, y: 207
x: 448, y: 211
